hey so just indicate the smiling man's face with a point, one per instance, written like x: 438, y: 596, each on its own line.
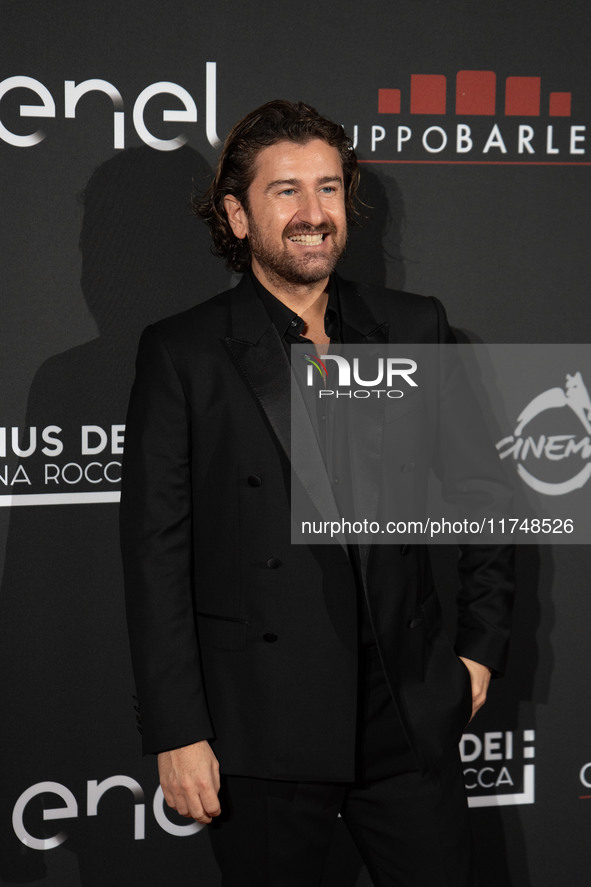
x: 296, y: 221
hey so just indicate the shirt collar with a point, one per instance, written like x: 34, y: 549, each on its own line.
x: 288, y: 323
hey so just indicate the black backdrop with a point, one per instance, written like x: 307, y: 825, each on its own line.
x: 479, y: 189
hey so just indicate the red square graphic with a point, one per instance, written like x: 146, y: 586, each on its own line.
x: 427, y: 93
x: 560, y: 104
x: 388, y: 101
x: 522, y: 96
x: 476, y: 92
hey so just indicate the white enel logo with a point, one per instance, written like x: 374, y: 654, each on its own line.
x: 95, y: 791
x: 73, y: 92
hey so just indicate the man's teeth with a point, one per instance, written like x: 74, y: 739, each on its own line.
x: 313, y: 239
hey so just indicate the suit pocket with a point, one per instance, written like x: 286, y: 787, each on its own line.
x: 221, y: 632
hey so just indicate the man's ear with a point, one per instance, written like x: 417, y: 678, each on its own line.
x: 236, y: 216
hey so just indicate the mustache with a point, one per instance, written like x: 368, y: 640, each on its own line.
x: 294, y: 230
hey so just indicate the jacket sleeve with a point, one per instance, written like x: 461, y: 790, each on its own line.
x: 156, y: 541
x: 486, y: 571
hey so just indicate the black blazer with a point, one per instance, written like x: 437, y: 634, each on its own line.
x: 237, y: 635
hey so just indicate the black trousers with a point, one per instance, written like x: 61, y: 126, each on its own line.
x: 411, y: 830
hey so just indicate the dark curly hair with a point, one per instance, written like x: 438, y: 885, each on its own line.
x: 273, y: 122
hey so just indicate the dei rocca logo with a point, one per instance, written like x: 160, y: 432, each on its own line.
x: 499, y: 767
x: 546, y: 461
x: 473, y: 117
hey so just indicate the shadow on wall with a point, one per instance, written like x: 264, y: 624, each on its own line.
x: 374, y: 250
x: 66, y: 674
x: 144, y: 255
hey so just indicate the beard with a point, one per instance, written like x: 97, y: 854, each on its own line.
x: 285, y: 267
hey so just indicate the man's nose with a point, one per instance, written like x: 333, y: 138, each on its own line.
x: 311, y: 209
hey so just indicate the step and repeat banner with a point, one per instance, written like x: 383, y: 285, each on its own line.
x: 472, y: 123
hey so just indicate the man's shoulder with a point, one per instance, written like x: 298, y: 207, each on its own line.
x: 198, y: 323
x: 403, y: 310
x: 393, y: 298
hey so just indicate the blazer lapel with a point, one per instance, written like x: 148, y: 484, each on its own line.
x: 259, y: 355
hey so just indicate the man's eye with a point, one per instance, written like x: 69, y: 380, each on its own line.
x: 329, y: 189
x: 288, y: 191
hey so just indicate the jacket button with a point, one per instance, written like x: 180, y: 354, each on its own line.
x: 415, y: 622
x: 407, y: 466
x: 273, y: 563
x: 269, y: 637
x: 255, y: 481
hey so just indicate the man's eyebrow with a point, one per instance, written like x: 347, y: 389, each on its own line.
x: 324, y: 180
x: 277, y: 182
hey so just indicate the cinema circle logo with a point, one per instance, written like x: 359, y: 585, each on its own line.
x: 550, y: 451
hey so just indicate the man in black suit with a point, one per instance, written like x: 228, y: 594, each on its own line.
x: 315, y: 679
